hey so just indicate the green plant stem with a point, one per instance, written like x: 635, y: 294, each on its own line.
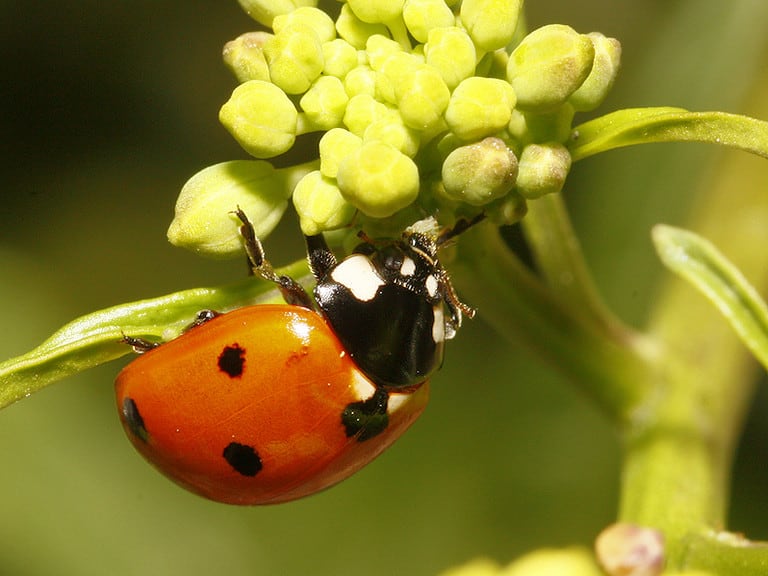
x: 519, y: 306
x: 677, y: 458
x: 561, y: 264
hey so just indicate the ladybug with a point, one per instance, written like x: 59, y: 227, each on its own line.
x: 270, y: 403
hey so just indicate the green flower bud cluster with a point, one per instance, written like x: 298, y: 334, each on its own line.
x: 426, y: 105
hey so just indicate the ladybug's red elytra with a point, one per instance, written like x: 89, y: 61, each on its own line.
x: 269, y: 403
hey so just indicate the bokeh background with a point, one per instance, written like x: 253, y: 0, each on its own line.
x: 108, y: 107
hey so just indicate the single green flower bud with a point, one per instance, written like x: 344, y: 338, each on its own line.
x: 295, y: 58
x: 543, y: 169
x: 480, y: 173
x: 422, y: 98
x: 421, y: 16
x: 573, y: 561
x: 391, y: 72
x: 261, y: 118
x: 604, y: 71
x: 340, y: 57
x: 244, y: 56
x: 377, y: 12
x: 320, y: 205
x: 548, y: 66
x: 334, y: 146
x: 379, y: 48
x: 203, y: 221
x: 490, y: 23
x: 451, y: 52
x: 480, y: 107
x: 325, y: 103
x: 314, y: 18
x: 360, y: 80
x: 264, y: 11
x: 354, y: 30
x: 392, y: 131
x: 362, y: 110
x: 378, y: 179
x: 554, y: 126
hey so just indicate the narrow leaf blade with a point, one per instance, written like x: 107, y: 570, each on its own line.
x: 698, y: 261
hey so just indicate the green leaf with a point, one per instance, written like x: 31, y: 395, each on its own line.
x: 648, y: 125
x: 700, y: 263
x: 97, y: 337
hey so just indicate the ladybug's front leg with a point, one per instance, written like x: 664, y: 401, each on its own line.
x: 321, y: 259
x: 293, y: 293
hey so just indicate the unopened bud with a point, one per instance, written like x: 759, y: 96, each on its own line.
x: 245, y: 57
x: 264, y: 11
x: 295, y: 58
x: 480, y: 173
x: 604, y: 70
x: 451, y: 52
x: 421, y: 16
x: 203, y: 221
x: 261, y: 118
x: 543, y: 169
x: 378, y: 179
x: 320, y: 205
x: 490, y: 23
x: 325, y: 103
x: 480, y: 107
x: 548, y: 66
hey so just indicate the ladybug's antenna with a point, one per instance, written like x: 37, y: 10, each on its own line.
x: 460, y: 227
x: 364, y: 237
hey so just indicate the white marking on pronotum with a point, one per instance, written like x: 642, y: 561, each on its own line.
x: 431, y: 285
x: 408, y: 267
x: 358, y: 275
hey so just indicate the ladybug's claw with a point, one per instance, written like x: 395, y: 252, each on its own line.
x: 139, y: 345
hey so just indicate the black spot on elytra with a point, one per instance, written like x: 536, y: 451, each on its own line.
x: 134, y: 421
x: 367, y: 418
x: 232, y: 360
x: 244, y: 459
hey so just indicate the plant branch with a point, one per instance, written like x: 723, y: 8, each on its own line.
x: 561, y: 264
x: 608, y: 365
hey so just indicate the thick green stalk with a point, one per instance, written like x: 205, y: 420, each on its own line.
x: 561, y: 264
x: 606, y: 363
x: 677, y: 460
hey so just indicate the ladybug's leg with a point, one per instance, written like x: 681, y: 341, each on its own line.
x: 321, y: 259
x: 293, y: 293
x: 202, y: 317
x: 139, y: 345
x: 456, y: 307
x: 368, y: 418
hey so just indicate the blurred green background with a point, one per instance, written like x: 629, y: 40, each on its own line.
x: 107, y: 108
